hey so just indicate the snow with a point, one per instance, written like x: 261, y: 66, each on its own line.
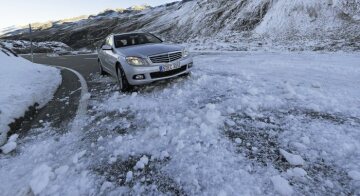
x: 185, y: 133
x: 41, y: 178
x: 355, y: 175
x: 33, y: 83
x: 282, y: 186
x: 291, y: 158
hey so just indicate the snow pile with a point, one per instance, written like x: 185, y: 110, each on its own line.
x: 23, y: 84
x: 248, y: 123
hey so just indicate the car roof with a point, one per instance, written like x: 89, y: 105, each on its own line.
x: 129, y: 33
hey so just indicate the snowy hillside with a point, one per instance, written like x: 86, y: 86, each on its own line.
x: 23, y: 84
x: 230, y: 24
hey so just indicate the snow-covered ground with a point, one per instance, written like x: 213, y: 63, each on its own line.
x: 250, y: 123
x: 22, y: 84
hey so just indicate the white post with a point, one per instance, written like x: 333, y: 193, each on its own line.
x: 31, y: 44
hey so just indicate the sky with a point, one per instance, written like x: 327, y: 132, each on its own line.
x: 21, y: 12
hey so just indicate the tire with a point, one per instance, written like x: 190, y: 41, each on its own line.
x: 123, y: 83
x: 101, y: 70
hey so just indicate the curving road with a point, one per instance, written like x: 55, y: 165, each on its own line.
x: 63, y: 107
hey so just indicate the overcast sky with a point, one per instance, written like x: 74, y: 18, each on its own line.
x: 19, y: 12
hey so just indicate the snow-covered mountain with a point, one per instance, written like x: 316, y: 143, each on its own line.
x: 224, y: 24
x: 23, y: 47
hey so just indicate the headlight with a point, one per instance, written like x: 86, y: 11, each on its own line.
x: 185, y: 53
x: 136, y: 61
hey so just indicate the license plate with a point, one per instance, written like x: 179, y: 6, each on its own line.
x: 170, y: 66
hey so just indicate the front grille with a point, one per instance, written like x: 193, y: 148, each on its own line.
x: 167, y: 73
x: 166, y: 58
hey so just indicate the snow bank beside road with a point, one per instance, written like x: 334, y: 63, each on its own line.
x: 22, y: 84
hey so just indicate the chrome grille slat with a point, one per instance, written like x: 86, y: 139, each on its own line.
x: 166, y: 58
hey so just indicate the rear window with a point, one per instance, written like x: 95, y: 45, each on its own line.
x: 134, y: 39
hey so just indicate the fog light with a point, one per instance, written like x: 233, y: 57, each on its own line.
x: 139, y: 77
x: 190, y: 65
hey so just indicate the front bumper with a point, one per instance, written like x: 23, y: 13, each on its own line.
x: 153, y: 73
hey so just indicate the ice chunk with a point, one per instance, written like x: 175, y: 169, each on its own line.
x: 101, y: 138
x: 230, y: 122
x: 8, y: 147
x: 296, y: 172
x: 129, y: 176
x: 142, y: 163
x: 212, y: 115
x: 77, y: 156
x: 291, y: 158
x: 118, y: 139
x: 238, y: 141
x: 41, y: 178
x: 164, y: 155
x: 62, y: 170
x: 281, y: 185
x: 355, y: 175
x: 106, y: 185
x: 13, y: 138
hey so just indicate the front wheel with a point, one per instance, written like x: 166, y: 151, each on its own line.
x: 124, y: 85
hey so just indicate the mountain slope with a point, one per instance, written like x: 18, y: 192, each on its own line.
x: 334, y: 24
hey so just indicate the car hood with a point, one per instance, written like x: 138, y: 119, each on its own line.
x: 148, y: 49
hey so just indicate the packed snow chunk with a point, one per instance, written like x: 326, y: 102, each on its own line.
x: 238, y: 141
x: 13, y: 138
x: 355, y: 175
x: 296, y: 172
x: 33, y: 83
x: 129, y: 176
x: 61, y: 170
x: 106, y: 185
x: 212, y: 115
x: 77, y: 156
x: 7, y: 148
x: 142, y: 163
x: 282, y: 186
x: 292, y: 158
x: 11, y: 144
x: 41, y: 178
x: 164, y: 155
x: 118, y: 139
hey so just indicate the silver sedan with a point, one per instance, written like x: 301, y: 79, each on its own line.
x: 142, y: 58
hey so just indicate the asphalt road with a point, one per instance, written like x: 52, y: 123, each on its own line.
x: 63, y: 107
x: 84, y: 64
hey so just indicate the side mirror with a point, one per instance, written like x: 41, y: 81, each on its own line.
x: 106, y: 47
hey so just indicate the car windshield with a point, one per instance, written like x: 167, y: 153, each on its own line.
x: 134, y: 39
